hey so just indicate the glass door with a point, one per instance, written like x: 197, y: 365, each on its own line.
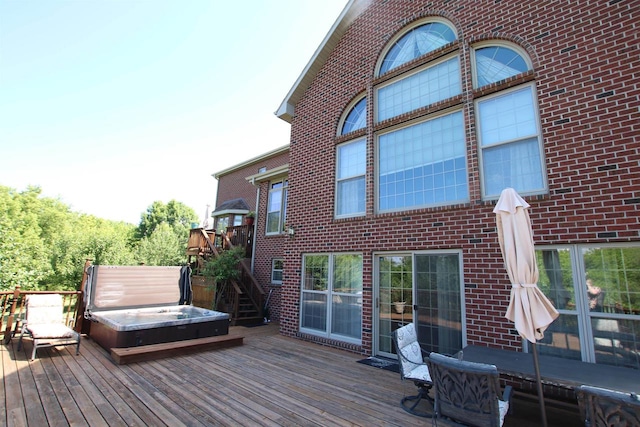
x: 425, y: 288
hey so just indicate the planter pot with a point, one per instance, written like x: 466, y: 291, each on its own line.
x: 399, y: 307
x: 204, y: 291
x: 249, y: 220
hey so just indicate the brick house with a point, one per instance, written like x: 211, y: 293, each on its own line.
x: 406, y: 124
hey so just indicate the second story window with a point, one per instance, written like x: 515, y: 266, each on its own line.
x: 277, y: 207
x: 424, y: 164
x: 350, y: 178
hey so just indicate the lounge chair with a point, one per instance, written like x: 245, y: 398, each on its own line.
x: 44, y: 322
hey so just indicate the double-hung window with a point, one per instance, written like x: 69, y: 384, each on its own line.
x: 277, y: 207
x: 350, y: 177
x: 508, y: 125
x: 331, y: 296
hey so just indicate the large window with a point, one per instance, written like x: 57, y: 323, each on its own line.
x: 433, y: 84
x: 510, y: 142
x: 331, y: 296
x: 350, y: 185
x: 596, y: 289
x: 277, y: 207
x: 423, y: 164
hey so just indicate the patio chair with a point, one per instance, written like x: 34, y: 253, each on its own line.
x: 603, y: 407
x: 44, y: 322
x: 413, y: 368
x: 467, y: 392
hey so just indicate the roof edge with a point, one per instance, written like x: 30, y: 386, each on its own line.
x: 246, y: 163
x: 351, y: 11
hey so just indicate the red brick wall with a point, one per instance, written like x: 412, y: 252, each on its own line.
x: 586, y: 61
x: 233, y: 185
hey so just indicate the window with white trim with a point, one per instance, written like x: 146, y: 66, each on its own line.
x: 277, y: 269
x: 331, y: 296
x: 350, y: 178
x: 357, y: 117
x: 424, y: 164
x: 510, y: 142
x: 596, y: 289
x: 277, y: 207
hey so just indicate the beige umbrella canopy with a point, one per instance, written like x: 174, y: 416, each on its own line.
x: 529, y: 309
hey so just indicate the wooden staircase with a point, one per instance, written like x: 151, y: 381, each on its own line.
x: 243, y: 298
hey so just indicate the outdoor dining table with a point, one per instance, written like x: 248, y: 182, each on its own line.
x: 556, y: 371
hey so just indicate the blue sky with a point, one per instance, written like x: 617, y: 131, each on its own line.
x: 111, y: 105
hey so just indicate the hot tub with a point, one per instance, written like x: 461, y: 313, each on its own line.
x: 137, y: 305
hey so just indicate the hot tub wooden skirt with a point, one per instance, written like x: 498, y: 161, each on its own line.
x: 109, y: 338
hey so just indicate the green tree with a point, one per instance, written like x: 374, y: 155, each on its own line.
x: 163, y: 247
x: 176, y: 214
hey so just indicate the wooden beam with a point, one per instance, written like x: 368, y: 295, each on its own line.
x: 124, y: 355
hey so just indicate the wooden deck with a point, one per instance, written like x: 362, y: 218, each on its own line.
x: 271, y: 380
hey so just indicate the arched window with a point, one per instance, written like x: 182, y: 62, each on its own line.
x: 508, y: 121
x: 495, y: 63
x: 415, y: 43
x: 357, y: 117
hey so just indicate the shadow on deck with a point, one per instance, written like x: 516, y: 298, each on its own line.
x: 271, y: 380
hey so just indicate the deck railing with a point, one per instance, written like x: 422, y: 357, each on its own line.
x: 13, y: 302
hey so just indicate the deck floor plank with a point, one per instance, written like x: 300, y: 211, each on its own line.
x: 87, y: 392
x: 206, y: 402
x: 269, y: 381
x: 15, y: 409
x: 33, y: 406
x: 122, y: 384
x: 72, y: 412
x: 108, y: 388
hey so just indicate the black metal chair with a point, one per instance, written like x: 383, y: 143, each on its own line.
x: 413, y: 368
x: 467, y: 392
x: 601, y: 407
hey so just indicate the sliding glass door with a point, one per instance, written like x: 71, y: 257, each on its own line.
x: 424, y: 288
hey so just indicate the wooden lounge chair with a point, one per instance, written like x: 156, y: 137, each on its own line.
x: 467, y: 392
x: 413, y: 368
x: 602, y: 407
x: 44, y: 322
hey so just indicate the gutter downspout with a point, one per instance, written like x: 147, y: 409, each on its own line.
x: 255, y: 227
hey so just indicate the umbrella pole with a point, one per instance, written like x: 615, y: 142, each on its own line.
x: 536, y: 366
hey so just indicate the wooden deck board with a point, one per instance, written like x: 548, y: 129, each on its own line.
x: 269, y: 381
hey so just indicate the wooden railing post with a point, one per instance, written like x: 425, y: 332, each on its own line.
x: 9, y: 329
x: 79, y: 323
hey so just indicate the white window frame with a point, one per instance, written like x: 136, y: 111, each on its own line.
x: 353, y: 178
x: 274, y: 270
x: 284, y: 189
x: 404, y: 31
x: 538, y: 135
x: 377, y: 166
x: 495, y: 43
x: 330, y: 295
x: 581, y: 311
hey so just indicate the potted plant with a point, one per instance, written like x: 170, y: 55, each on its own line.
x: 397, y: 300
x: 222, y: 269
x: 250, y: 217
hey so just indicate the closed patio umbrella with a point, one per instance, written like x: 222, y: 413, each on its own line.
x: 529, y: 309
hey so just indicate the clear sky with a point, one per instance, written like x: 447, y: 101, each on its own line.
x: 111, y: 105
